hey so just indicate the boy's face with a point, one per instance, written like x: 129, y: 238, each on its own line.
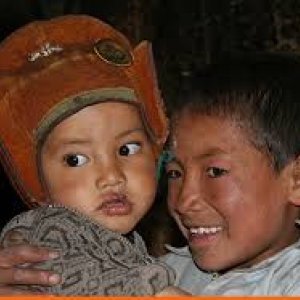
x: 227, y: 200
x: 100, y: 161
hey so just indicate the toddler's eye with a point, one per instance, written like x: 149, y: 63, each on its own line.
x: 216, y: 172
x: 173, y: 174
x: 75, y: 160
x: 129, y: 149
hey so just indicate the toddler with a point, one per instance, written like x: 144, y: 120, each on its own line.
x: 81, y: 127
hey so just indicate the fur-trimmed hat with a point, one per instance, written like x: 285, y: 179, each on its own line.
x: 53, y: 68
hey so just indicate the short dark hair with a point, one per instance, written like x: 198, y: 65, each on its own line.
x: 261, y: 92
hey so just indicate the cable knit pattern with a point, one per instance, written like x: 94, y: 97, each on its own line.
x: 93, y: 260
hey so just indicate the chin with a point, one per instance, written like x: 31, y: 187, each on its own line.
x: 119, y: 228
x: 211, y: 264
x: 121, y: 231
x: 113, y: 224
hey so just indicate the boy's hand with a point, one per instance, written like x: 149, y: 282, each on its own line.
x: 13, y: 273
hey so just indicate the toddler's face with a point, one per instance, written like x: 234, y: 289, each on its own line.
x: 227, y: 200
x: 100, y: 161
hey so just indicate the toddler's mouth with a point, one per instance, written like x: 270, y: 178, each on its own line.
x: 114, y: 204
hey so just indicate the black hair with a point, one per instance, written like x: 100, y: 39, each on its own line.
x: 260, y: 92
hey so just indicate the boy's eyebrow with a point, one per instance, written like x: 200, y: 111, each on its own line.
x: 210, y: 153
x: 207, y: 155
x: 175, y: 160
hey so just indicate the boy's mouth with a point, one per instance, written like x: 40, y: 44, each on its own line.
x: 204, y: 230
x: 203, y: 235
x: 115, y: 204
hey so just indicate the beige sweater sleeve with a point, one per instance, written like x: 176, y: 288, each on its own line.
x: 93, y: 260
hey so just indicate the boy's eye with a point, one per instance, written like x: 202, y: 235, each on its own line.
x: 216, y: 172
x: 75, y: 160
x: 173, y: 174
x: 129, y: 149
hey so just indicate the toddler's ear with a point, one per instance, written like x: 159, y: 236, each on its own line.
x: 294, y: 188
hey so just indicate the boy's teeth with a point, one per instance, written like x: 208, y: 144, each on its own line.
x: 201, y: 230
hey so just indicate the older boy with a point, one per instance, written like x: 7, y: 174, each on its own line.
x: 234, y: 179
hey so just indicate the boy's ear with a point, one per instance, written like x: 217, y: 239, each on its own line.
x: 294, y: 187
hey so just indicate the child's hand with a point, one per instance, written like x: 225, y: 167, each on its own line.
x: 13, y: 274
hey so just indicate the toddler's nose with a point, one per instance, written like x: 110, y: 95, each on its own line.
x: 110, y: 175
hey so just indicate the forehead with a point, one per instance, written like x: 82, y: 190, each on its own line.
x: 106, y: 112
x: 195, y: 134
x: 103, y: 120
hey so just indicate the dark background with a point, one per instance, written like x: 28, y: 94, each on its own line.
x: 185, y: 34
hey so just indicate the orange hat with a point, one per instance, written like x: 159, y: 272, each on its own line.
x: 52, y: 69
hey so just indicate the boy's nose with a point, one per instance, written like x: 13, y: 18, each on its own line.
x: 190, y: 198
x: 110, y: 175
x: 185, y: 203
